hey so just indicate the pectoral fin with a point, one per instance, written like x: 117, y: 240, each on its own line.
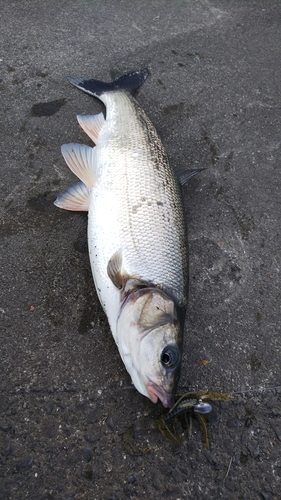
x: 74, y: 198
x: 114, y: 270
x: 92, y: 125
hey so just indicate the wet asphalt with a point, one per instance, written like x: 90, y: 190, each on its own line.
x: 66, y: 399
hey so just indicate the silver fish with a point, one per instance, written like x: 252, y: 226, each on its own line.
x: 136, y: 233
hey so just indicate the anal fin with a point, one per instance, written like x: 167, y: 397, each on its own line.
x: 74, y: 198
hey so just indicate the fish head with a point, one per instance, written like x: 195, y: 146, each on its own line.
x: 149, y: 337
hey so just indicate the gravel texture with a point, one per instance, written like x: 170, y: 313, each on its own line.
x: 66, y: 398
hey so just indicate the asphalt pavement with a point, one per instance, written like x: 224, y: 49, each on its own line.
x: 66, y: 399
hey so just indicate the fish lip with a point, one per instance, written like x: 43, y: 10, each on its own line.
x: 156, y: 391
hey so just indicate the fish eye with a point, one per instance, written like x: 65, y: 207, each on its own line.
x: 170, y: 356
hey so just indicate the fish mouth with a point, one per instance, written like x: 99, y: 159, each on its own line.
x: 156, y: 391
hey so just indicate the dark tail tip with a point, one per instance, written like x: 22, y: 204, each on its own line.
x: 130, y: 81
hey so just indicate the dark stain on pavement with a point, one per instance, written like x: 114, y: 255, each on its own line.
x: 47, y: 108
x: 39, y: 211
x: 255, y: 362
x: 212, y: 145
x: 244, y: 220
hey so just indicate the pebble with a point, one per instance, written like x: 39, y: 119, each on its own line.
x: 49, y: 406
x: 213, y: 417
x: 157, y: 483
x: 50, y: 427
x: 266, y: 495
x: 92, y: 435
x: 236, y: 458
x: 233, y: 423
x: 248, y: 422
x: 177, y: 476
x: 61, y: 405
x: 276, y: 426
x: 244, y: 458
x: 128, y: 491
x: 9, y: 449
x: 4, y: 495
x: 5, y: 428
x: 88, y: 474
x: 110, y: 423
x: 209, y: 457
x: 254, y: 449
x: 93, y: 416
x: 132, y: 479
x: 87, y: 454
x: 25, y: 463
x: 231, y: 484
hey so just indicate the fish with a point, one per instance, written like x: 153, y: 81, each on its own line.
x: 137, y: 236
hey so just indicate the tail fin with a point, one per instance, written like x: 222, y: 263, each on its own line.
x: 130, y: 82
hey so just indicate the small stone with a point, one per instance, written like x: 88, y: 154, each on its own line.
x: 177, y: 476
x: 49, y: 406
x: 233, y: 423
x: 157, y: 483
x: 9, y: 449
x: 128, y: 491
x: 209, y: 457
x: 231, y: 484
x: 88, y: 474
x: 4, y: 495
x: 92, y: 435
x: 254, y: 449
x: 132, y: 479
x: 245, y: 437
x: 248, y: 422
x: 50, y: 427
x: 25, y: 463
x: 4, y: 428
x: 110, y: 422
x: 236, y: 458
x: 266, y: 495
x: 113, y: 496
x: 213, y: 417
x: 244, y: 458
x: 219, y: 478
x: 93, y: 416
x: 87, y: 454
x: 276, y: 426
x: 60, y: 404
x: 68, y: 431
